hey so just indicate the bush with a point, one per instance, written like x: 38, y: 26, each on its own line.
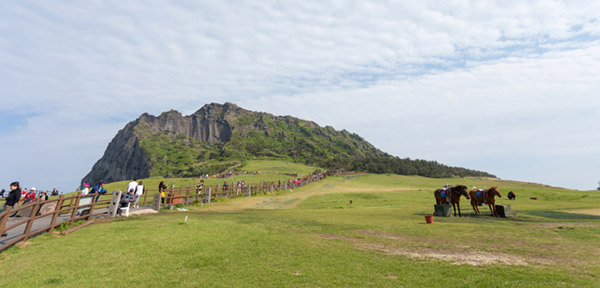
x: 64, y: 226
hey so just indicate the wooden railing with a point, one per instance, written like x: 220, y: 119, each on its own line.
x: 189, y: 194
x: 51, y: 210
x: 94, y: 205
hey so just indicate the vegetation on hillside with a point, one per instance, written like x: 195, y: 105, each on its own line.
x: 286, y: 138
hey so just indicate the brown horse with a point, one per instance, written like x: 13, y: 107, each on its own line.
x: 487, y: 196
x: 454, y: 193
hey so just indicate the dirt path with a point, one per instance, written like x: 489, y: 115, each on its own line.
x: 292, y: 199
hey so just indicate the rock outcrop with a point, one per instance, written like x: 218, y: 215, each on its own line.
x: 124, y: 159
x: 221, y: 136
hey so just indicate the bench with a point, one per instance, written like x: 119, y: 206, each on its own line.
x: 125, y: 210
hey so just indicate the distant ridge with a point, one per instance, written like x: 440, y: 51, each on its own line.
x: 219, y: 137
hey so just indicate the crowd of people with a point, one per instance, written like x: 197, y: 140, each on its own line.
x: 38, y: 193
x: 131, y: 198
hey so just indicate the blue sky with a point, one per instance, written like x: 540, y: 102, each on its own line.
x: 508, y: 87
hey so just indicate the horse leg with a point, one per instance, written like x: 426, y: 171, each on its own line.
x: 454, y: 207
x: 458, y: 206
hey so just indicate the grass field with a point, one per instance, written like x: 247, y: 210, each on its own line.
x: 314, y: 237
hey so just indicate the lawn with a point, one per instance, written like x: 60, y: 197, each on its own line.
x: 314, y: 237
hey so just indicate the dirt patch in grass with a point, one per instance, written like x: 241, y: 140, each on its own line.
x: 23, y: 244
x: 336, y: 236
x: 458, y: 258
x: 559, y: 225
x: 595, y: 212
x: 455, y: 255
x: 382, y: 235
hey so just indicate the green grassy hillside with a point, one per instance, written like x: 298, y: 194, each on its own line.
x: 314, y: 237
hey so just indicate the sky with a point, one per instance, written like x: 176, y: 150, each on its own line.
x: 507, y: 87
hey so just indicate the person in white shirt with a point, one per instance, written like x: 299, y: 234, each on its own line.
x: 132, y: 185
x: 139, y: 190
x: 86, y: 190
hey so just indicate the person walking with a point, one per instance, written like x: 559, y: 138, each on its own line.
x: 139, y: 190
x: 199, y: 187
x: 132, y: 185
x: 161, y: 189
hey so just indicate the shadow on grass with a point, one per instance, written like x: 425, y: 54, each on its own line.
x: 561, y: 215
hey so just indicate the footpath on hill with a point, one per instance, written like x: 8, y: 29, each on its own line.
x: 289, y: 200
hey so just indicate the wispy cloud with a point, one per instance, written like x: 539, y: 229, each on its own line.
x: 487, y: 79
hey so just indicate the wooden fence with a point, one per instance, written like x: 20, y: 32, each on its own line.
x: 48, y: 214
x: 49, y: 211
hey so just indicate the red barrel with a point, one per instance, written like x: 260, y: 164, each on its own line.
x: 429, y: 219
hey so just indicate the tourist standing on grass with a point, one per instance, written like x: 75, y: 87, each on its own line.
x: 161, y: 189
x: 132, y: 185
x: 199, y: 187
x: 139, y: 190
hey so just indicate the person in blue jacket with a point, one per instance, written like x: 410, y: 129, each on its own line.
x: 98, y: 188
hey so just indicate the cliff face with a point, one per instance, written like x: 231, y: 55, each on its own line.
x: 123, y: 159
x: 210, y: 124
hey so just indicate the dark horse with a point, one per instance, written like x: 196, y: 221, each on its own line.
x: 454, y: 193
x: 487, y: 196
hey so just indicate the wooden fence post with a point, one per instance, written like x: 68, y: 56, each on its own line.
x: 74, y: 207
x: 92, y: 207
x: 4, y: 218
x: 187, y: 195
x: 170, y: 197
x: 146, y: 191
x: 36, y: 208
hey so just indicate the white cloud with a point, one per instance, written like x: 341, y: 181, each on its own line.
x: 380, y: 69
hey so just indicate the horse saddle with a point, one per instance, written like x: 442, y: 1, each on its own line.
x: 479, y: 193
x: 446, y: 192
